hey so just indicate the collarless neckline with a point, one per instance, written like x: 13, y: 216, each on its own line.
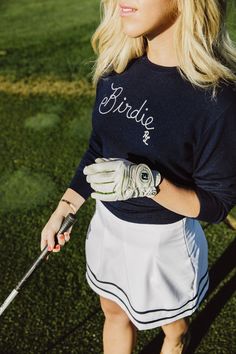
x: 158, y: 67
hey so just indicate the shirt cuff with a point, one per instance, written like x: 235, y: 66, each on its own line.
x: 80, y: 185
x: 211, y: 208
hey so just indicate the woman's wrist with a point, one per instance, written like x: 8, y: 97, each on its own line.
x: 71, y: 205
x: 63, y: 209
x: 70, y: 202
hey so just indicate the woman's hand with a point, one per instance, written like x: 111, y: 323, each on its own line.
x: 119, y: 179
x: 50, y: 230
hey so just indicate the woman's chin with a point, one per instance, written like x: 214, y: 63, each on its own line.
x: 131, y: 32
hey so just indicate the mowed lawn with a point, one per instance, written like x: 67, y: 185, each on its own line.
x: 46, y: 101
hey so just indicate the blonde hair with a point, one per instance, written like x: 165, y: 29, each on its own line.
x: 205, y: 52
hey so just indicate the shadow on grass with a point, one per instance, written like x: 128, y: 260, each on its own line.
x: 201, y: 324
x: 79, y: 326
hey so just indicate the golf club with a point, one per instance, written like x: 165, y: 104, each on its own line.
x: 68, y: 221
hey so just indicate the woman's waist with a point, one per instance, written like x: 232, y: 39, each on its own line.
x: 142, y: 211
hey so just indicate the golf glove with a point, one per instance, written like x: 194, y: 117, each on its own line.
x: 119, y: 179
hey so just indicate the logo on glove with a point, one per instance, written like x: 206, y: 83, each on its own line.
x: 144, y: 176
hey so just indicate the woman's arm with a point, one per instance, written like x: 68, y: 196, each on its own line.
x: 177, y: 199
x: 214, y: 175
x: 119, y: 179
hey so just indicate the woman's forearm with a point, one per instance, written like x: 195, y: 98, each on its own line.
x: 178, y: 199
x: 75, y: 198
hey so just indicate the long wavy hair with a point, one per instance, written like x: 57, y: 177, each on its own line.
x: 206, y: 54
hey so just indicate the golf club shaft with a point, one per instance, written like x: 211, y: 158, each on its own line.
x: 69, y: 220
x: 8, y: 301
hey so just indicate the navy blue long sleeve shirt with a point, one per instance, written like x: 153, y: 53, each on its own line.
x: 150, y: 114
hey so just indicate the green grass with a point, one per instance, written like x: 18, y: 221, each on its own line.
x: 47, y: 37
x: 42, y: 140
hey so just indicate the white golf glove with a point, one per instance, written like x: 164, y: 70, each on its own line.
x: 119, y: 179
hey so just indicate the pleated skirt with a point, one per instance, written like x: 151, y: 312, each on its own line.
x: 157, y: 273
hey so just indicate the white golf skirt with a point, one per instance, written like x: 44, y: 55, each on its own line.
x: 156, y: 273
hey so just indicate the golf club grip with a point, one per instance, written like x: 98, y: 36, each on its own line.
x: 68, y: 221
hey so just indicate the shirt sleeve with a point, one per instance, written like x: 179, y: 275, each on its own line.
x: 94, y: 150
x: 215, y: 168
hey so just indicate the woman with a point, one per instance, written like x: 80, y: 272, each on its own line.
x: 161, y: 158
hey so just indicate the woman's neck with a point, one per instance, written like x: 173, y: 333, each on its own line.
x: 160, y: 47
